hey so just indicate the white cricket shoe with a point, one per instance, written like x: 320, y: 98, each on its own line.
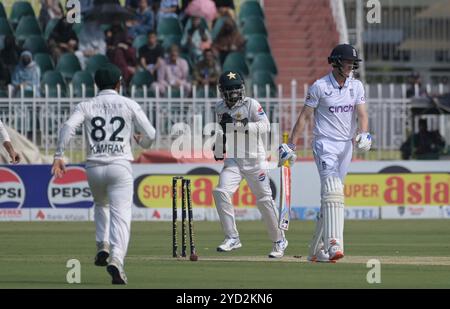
x: 229, y: 244
x: 116, y: 271
x: 320, y: 257
x: 101, y: 258
x: 335, y: 252
x: 278, y: 249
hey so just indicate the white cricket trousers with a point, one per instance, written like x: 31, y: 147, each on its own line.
x: 112, y: 188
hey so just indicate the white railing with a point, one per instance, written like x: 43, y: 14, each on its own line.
x: 39, y: 118
x: 337, y: 8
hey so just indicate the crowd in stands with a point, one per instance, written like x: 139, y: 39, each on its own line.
x: 178, y: 45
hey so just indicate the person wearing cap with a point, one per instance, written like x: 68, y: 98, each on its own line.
x: 26, y: 74
x: 110, y: 122
x: 337, y: 100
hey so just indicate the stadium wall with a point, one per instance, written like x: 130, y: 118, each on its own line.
x: 379, y: 190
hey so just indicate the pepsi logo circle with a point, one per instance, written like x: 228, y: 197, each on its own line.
x: 71, y: 190
x: 12, y: 189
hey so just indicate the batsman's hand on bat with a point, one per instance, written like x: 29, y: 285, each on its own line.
x: 286, y: 153
x: 58, y: 168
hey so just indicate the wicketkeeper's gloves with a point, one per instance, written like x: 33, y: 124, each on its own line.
x: 286, y: 153
x: 363, y: 141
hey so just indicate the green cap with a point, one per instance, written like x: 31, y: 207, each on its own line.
x: 107, y: 76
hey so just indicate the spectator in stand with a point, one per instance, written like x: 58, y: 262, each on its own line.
x: 120, y: 51
x: 207, y: 71
x: 144, y: 22
x: 50, y: 9
x: 151, y: 55
x: 5, y: 77
x: 413, y: 82
x: 228, y: 40
x: 226, y: 8
x: 26, y: 74
x: 62, y: 39
x: 168, y: 9
x: 86, y: 6
x: 196, y: 39
x: 91, y: 42
x: 10, y: 53
x: 174, y: 71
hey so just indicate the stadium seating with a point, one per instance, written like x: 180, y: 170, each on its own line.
x: 2, y: 11
x: 261, y: 79
x: 254, y: 25
x: 139, y: 41
x: 52, y: 79
x: 264, y: 62
x: 141, y: 78
x: 189, y: 24
x: 44, y: 61
x: 216, y: 27
x: 169, y: 40
x: 249, y: 9
x: 80, y: 78
x: 27, y: 26
x: 50, y: 26
x: 95, y: 62
x: 67, y: 65
x: 20, y: 9
x: 168, y: 26
x: 256, y: 43
x: 235, y: 61
x: 5, y: 27
x: 35, y: 44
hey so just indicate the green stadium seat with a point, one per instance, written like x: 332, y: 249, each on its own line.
x: 77, y: 28
x: 27, y: 26
x: 200, y: 93
x: 95, y: 62
x: 20, y: 9
x: 139, y: 79
x: 264, y: 62
x: 140, y: 41
x: 235, y: 61
x: 250, y: 8
x: 169, y: 40
x: 44, y: 61
x: 80, y: 78
x: 261, y: 79
x: 67, y: 65
x: 216, y: 27
x: 254, y: 25
x: 5, y: 27
x: 50, y: 26
x: 35, y: 44
x: 2, y: 11
x: 168, y: 26
x: 52, y: 79
x: 256, y: 44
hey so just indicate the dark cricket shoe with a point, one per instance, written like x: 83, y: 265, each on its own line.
x: 115, y: 269
x: 101, y: 259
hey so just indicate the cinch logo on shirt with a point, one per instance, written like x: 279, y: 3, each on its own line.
x: 341, y: 109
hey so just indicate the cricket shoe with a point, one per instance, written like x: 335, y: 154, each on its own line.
x: 229, y: 244
x: 101, y: 259
x: 278, y: 249
x: 335, y: 252
x: 115, y: 269
x: 320, y: 257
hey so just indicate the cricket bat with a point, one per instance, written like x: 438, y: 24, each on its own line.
x: 285, y: 194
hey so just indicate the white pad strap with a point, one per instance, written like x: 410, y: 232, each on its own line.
x: 317, y: 241
x: 333, y: 212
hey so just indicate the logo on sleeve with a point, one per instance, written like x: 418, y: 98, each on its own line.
x: 12, y: 189
x: 261, y: 176
x: 71, y: 190
x: 260, y: 111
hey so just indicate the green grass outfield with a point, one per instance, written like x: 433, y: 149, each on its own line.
x: 413, y: 254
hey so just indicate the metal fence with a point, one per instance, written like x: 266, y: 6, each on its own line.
x: 39, y: 118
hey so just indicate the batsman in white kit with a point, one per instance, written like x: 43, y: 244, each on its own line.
x: 336, y: 101
x: 110, y: 121
x: 243, y: 122
x: 6, y: 141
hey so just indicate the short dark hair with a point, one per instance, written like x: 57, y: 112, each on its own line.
x: 151, y: 32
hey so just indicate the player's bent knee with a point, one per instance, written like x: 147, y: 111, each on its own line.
x: 333, y: 190
x: 221, y: 194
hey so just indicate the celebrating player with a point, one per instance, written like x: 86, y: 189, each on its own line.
x: 335, y: 100
x: 239, y: 114
x: 4, y: 136
x: 110, y: 120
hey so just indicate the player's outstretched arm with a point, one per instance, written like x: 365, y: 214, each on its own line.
x: 15, y: 158
x: 147, y: 132
x: 305, y: 116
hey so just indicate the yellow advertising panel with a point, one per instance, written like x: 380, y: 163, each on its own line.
x: 155, y: 191
x: 397, y: 189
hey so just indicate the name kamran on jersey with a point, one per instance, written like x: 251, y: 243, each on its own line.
x: 107, y: 148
